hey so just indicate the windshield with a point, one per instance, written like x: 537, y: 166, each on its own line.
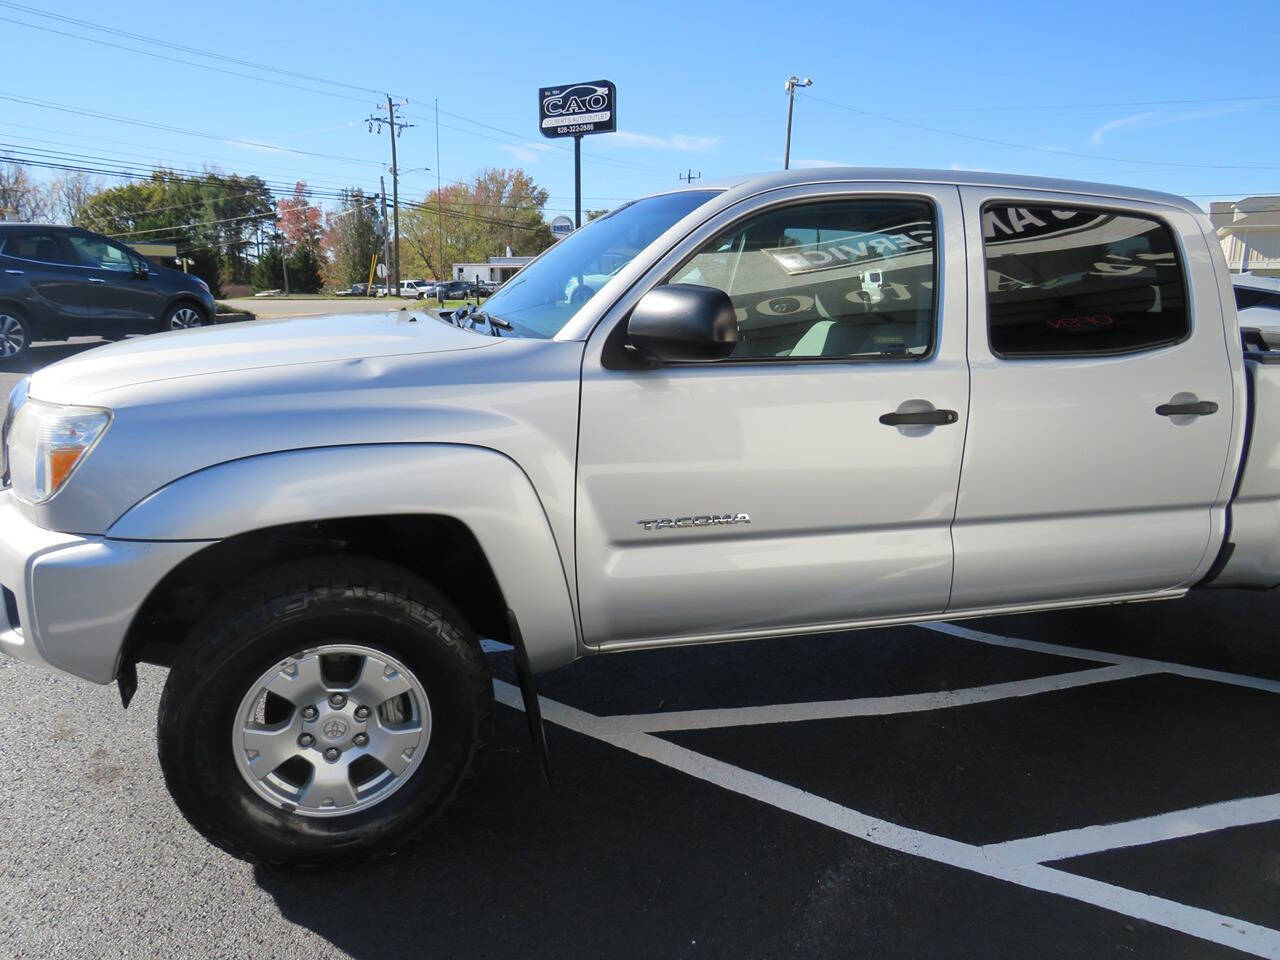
x: 540, y: 299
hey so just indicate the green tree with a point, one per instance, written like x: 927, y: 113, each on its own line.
x: 590, y: 215
x: 500, y: 210
x: 267, y: 272
x: 214, y: 219
x: 304, y: 270
x: 351, y: 238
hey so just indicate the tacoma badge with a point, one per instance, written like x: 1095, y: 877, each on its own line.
x: 706, y: 520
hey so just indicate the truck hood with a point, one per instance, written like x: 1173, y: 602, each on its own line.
x: 250, y: 345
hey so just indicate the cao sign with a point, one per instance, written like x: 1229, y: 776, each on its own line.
x: 575, y: 109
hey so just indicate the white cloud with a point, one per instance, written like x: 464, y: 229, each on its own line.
x: 527, y: 152
x: 1097, y: 135
x: 1156, y: 118
x: 675, y: 141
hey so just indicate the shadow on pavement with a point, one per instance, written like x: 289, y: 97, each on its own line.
x: 43, y: 353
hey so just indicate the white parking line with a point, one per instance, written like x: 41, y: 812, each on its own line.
x: 870, y: 706
x: 1082, y: 653
x: 1239, y: 934
x: 1134, y: 833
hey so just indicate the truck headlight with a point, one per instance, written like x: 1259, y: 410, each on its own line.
x: 47, y: 442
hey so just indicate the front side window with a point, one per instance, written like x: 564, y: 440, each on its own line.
x: 1069, y: 281
x: 40, y: 246
x: 100, y: 253
x: 833, y: 279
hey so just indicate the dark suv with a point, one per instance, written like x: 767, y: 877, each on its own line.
x: 58, y: 282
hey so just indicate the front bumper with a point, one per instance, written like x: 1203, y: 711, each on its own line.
x: 68, y: 600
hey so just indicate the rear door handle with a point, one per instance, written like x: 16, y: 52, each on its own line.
x: 933, y: 418
x: 1198, y: 408
x: 14, y: 271
x: 96, y: 280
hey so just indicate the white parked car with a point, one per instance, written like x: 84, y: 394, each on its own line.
x: 1258, y: 304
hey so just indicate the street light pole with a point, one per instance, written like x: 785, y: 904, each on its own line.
x: 790, y: 87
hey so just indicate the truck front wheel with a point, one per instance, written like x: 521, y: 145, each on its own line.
x: 327, y: 712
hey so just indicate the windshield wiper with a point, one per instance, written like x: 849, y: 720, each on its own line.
x: 495, y: 323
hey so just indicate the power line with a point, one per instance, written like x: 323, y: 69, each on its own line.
x: 1049, y: 150
x: 133, y: 121
x: 142, y: 38
x: 184, y: 62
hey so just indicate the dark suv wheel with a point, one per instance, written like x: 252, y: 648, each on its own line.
x: 15, y: 335
x: 183, y: 316
x: 326, y: 712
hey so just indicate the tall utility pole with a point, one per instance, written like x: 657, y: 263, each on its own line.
x: 386, y: 235
x: 690, y: 175
x: 394, y: 127
x: 439, y: 197
x: 790, y: 87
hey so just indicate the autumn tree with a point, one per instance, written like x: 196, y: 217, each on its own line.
x: 351, y: 238
x: 21, y: 197
x: 301, y: 221
x: 70, y: 193
x: 500, y: 210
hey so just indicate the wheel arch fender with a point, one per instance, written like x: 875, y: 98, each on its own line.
x: 478, y: 486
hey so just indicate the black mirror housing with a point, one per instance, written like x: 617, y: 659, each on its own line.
x: 684, y: 322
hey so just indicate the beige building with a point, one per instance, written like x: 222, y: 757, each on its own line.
x: 1249, y: 231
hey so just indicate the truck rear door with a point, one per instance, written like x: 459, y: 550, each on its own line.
x: 810, y: 478
x: 1102, y: 401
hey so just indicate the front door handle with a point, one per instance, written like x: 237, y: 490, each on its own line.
x: 13, y: 271
x: 1197, y: 408
x: 96, y: 280
x: 932, y: 418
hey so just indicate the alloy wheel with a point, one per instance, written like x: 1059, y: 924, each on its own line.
x: 13, y: 335
x: 333, y: 730
x: 184, y: 318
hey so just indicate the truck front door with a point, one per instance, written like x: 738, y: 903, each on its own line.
x: 786, y: 486
x: 1102, y: 402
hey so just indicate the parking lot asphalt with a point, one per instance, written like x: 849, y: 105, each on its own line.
x: 1061, y: 789
x: 1078, y: 784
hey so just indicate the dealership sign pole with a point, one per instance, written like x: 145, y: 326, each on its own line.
x: 577, y: 110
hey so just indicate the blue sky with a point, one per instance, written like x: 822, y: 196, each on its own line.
x: 1173, y: 96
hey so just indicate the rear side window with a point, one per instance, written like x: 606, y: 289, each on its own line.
x: 1068, y: 281
x: 43, y: 247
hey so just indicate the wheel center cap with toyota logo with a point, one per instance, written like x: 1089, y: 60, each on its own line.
x: 334, y: 729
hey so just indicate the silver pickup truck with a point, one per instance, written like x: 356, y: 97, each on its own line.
x: 810, y: 401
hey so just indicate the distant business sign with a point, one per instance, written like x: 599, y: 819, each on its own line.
x: 578, y: 109
x: 561, y: 226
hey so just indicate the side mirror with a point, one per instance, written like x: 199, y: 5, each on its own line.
x: 684, y: 322
x: 140, y: 269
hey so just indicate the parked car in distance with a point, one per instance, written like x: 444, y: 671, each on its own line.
x: 355, y: 290
x: 313, y: 522
x: 417, y: 289
x: 1258, y: 304
x: 455, y: 289
x: 59, y: 281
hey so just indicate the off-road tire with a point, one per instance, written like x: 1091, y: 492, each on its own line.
x: 276, y: 615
